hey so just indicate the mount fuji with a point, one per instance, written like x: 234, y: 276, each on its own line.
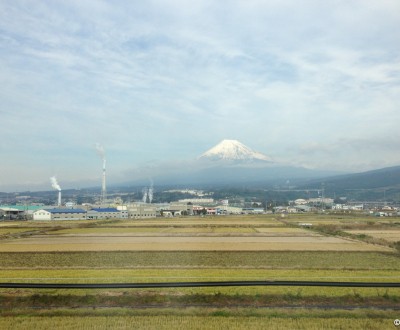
x: 230, y: 162
x: 233, y: 150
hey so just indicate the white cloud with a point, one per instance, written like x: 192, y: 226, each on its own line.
x: 161, y: 79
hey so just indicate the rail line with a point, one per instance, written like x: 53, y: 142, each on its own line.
x: 196, y: 284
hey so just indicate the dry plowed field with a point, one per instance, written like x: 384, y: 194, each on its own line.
x: 184, y: 236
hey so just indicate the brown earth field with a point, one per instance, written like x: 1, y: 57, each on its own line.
x: 45, y: 243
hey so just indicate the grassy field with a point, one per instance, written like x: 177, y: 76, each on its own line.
x: 210, y: 319
x: 13, y: 230
x: 198, y: 249
x: 339, y: 219
x: 202, y: 259
x: 216, y: 274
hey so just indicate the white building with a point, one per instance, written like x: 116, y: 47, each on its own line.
x: 142, y: 211
x: 181, y: 208
x: 59, y: 214
x: 79, y: 214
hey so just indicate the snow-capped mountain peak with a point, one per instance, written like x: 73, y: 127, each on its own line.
x: 233, y: 150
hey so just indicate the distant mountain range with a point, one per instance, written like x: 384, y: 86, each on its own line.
x: 385, y: 178
x: 231, y: 162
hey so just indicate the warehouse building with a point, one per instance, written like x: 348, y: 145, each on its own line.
x: 179, y: 208
x: 142, y: 211
x: 79, y: 214
x: 59, y: 214
x: 107, y: 213
x: 10, y: 213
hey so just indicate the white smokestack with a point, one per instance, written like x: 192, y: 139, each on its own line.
x: 103, y: 182
x: 56, y: 186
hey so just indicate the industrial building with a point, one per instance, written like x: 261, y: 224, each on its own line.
x: 142, y: 211
x: 59, y: 214
x: 10, y: 213
x: 180, y: 208
x: 106, y: 213
x: 79, y: 214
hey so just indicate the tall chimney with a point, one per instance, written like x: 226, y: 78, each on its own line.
x: 59, y: 198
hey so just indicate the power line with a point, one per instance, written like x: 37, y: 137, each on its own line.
x: 197, y: 284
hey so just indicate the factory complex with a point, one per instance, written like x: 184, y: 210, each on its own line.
x: 137, y: 210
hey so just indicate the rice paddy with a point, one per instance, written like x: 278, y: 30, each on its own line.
x: 212, y: 234
x: 386, y: 234
x: 213, y: 319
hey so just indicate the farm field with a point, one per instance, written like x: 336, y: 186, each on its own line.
x: 339, y: 219
x: 386, y: 234
x: 225, y: 319
x: 12, y: 230
x: 202, y: 259
x: 201, y: 234
x: 198, y: 249
x: 41, y: 243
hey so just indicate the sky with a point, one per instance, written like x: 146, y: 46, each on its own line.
x: 309, y: 83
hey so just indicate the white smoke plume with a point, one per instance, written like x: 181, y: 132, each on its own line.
x: 100, y: 151
x: 54, y: 183
x: 145, y: 194
x: 150, y: 191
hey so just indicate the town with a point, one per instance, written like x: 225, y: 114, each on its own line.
x: 196, y: 203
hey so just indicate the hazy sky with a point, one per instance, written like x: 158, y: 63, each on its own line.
x: 313, y: 83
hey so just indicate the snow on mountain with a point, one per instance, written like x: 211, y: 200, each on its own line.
x: 233, y: 150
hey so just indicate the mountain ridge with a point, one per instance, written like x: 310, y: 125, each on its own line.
x: 372, y: 179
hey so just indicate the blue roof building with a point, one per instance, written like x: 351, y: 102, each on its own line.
x: 55, y: 211
x: 105, y: 209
